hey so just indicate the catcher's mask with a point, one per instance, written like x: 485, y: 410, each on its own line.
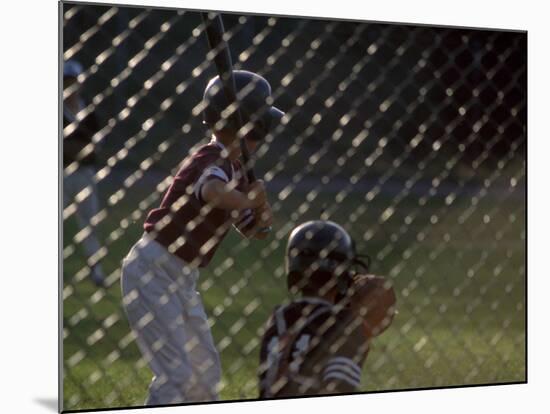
x: 320, y: 254
x: 255, y: 103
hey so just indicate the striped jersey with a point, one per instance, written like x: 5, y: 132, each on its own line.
x: 311, y: 347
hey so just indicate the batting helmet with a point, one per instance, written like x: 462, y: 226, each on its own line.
x: 255, y: 103
x: 319, y: 252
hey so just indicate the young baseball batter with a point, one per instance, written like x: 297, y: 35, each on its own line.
x: 317, y: 344
x: 209, y: 194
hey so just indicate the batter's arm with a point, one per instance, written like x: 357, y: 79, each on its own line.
x: 250, y: 225
x: 220, y: 195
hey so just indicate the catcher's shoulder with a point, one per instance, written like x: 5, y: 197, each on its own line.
x: 370, y: 277
x: 303, y: 311
x: 310, y: 305
x: 368, y: 282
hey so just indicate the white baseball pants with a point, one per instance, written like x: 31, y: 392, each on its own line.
x: 166, y: 313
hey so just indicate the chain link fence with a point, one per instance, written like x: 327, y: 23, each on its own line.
x: 413, y: 138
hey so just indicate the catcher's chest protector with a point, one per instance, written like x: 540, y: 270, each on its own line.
x: 292, y: 330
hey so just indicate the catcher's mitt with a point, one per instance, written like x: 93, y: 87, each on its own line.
x: 373, y: 299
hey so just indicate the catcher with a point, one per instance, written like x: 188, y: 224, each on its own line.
x: 317, y: 344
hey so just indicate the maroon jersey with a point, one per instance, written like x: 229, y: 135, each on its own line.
x: 184, y: 223
x: 311, y: 348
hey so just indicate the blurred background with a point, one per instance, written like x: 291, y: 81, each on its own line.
x: 411, y: 137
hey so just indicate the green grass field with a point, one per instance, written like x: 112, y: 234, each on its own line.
x: 458, y: 268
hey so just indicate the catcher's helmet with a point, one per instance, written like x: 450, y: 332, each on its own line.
x: 255, y: 103
x: 318, y: 253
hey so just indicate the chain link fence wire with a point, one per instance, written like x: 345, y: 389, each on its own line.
x: 413, y: 138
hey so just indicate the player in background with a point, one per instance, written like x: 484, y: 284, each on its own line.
x: 317, y: 344
x: 79, y: 159
x: 208, y: 195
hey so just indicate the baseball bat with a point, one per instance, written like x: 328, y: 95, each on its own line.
x: 222, y: 59
x: 224, y: 66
